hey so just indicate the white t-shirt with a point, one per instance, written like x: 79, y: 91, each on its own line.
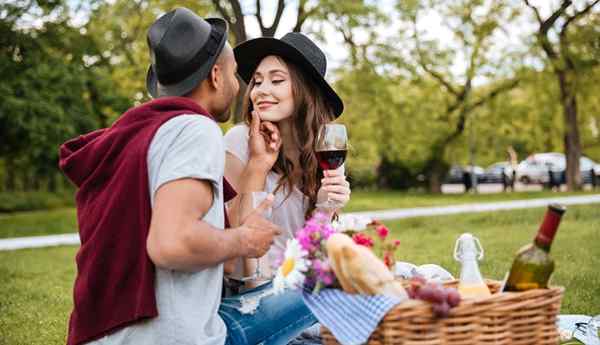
x: 288, y: 211
x: 187, y: 146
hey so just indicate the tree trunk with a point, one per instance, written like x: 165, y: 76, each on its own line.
x: 436, y: 178
x: 436, y: 168
x: 572, y: 137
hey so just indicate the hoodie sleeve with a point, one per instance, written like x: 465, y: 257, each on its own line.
x: 186, y: 146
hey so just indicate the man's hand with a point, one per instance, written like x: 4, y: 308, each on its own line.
x: 264, y: 143
x: 257, y: 233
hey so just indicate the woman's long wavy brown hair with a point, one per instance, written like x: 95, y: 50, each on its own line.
x: 310, y: 111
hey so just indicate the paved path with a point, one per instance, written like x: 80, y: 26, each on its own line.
x: 478, y: 207
x: 73, y: 239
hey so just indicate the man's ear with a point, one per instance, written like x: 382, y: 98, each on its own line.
x: 216, y: 77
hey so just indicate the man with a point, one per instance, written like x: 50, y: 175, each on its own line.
x: 150, y: 204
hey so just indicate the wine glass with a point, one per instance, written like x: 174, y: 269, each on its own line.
x: 257, y: 198
x: 331, y: 148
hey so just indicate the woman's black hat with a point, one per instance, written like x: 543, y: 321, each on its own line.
x: 294, y: 47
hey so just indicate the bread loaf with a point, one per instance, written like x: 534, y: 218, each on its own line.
x: 335, y: 243
x: 368, y: 274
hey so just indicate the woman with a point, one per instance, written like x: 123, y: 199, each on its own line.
x: 286, y: 102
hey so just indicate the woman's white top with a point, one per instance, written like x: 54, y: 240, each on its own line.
x: 288, y: 210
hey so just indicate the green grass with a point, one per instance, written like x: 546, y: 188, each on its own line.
x: 576, y: 248
x: 57, y: 221
x: 35, y: 293
x: 36, y: 223
x: 35, y: 200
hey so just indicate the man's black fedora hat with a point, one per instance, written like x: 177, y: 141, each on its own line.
x: 294, y: 47
x: 183, y: 50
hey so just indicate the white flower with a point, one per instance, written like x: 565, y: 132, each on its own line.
x: 347, y: 222
x: 291, y: 272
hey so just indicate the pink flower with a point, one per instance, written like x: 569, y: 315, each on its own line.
x: 382, y: 231
x: 396, y: 243
x: 363, y: 240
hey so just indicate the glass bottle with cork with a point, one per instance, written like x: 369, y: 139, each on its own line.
x: 533, y: 264
x: 467, y: 251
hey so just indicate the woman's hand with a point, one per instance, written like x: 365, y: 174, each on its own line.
x: 334, y: 188
x: 264, y: 143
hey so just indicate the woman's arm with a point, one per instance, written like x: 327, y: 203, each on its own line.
x: 263, y: 147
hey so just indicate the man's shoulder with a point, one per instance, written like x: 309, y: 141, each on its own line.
x: 192, y: 123
x: 239, y: 130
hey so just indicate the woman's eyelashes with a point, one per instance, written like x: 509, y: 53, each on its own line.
x: 258, y: 82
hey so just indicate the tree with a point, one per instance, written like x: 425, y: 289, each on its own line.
x: 473, y: 24
x: 563, y: 61
x: 47, y: 92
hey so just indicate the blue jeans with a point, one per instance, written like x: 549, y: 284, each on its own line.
x: 277, y: 320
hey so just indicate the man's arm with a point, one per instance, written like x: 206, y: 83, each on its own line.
x: 178, y: 238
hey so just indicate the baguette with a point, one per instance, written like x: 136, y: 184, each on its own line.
x: 335, y: 243
x: 368, y: 273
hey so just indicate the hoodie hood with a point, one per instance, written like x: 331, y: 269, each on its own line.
x: 79, y: 156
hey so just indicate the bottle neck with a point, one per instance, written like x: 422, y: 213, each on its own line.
x: 548, y: 229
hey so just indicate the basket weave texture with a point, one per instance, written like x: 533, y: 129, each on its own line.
x: 510, y: 318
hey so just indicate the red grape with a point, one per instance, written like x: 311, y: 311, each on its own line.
x: 426, y: 293
x: 440, y: 298
x: 453, y: 297
x: 441, y: 309
x: 438, y: 295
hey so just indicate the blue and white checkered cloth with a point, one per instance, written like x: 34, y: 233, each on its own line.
x: 351, y: 318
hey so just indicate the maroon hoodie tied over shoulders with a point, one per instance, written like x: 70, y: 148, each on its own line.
x: 114, y: 286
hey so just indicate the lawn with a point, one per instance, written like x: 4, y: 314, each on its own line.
x: 63, y: 220
x: 36, y: 223
x: 35, y: 298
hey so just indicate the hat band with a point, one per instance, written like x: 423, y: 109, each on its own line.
x: 184, y: 70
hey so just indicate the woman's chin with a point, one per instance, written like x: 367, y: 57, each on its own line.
x: 270, y: 117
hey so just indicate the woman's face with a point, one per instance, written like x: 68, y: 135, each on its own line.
x: 271, y: 94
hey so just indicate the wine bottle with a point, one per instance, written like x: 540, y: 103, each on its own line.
x: 533, y: 265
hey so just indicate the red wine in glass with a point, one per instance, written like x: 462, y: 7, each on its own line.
x: 331, y: 159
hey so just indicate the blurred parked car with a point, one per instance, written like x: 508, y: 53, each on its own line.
x: 456, y: 172
x: 494, y: 173
x: 536, y: 168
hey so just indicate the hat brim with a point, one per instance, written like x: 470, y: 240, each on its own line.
x: 250, y: 53
x: 183, y: 87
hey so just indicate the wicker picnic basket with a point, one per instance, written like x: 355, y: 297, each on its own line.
x: 512, y: 318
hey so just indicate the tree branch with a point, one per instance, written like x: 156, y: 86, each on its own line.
x: 303, y: 14
x: 278, y: 15
x: 258, y: 16
x: 492, y: 94
x: 545, y: 26
x: 235, y: 20
x: 222, y: 11
x: 269, y: 31
x: 421, y: 60
x: 548, y: 23
x: 536, y: 11
x: 577, y: 15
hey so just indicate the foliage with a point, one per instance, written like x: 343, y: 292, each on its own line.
x: 37, y: 200
x: 72, y: 66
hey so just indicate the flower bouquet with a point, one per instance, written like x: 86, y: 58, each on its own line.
x: 306, y: 264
